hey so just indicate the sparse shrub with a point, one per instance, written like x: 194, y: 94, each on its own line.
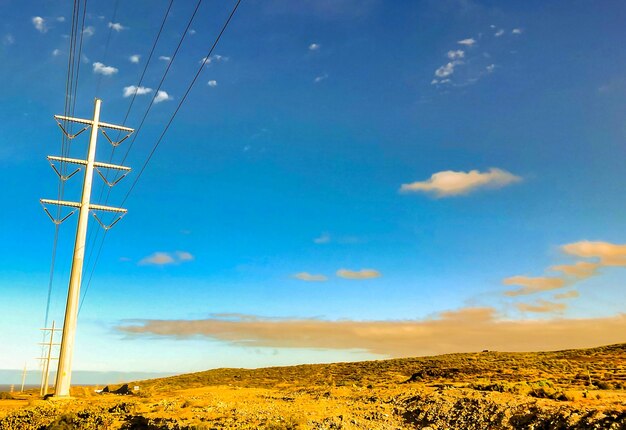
x: 6, y: 396
x: 604, y: 385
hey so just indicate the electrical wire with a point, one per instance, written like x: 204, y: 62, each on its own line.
x: 65, y: 142
x: 143, y: 73
x: 136, y: 133
x: 169, y: 123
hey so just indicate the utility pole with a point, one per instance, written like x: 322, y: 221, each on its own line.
x: 45, y: 371
x: 64, y: 370
x: 23, y: 378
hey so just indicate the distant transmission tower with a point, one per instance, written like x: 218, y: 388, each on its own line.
x: 64, y: 371
x: 45, y: 360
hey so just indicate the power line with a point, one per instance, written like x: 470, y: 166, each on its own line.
x: 158, y: 142
x: 143, y: 73
x: 191, y: 84
x: 106, y: 45
x: 145, y: 115
x: 65, y: 141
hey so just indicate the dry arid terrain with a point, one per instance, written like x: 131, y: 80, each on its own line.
x: 573, y: 389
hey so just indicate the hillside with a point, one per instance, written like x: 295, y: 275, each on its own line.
x: 572, y: 389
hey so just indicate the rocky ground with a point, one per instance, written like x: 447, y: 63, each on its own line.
x: 577, y: 389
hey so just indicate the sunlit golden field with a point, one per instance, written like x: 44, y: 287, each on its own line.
x: 574, y: 389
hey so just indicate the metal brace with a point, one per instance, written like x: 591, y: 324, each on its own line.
x: 63, y: 177
x: 71, y: 136
x: 54, y: 220
x: 104, y: 226
x: 115, y: 144
x: 111, y: 184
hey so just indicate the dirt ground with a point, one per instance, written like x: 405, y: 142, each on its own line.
x: 578, y: 389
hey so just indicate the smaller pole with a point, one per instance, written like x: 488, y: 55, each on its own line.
x: 44, y: 389
x: 23, y: 378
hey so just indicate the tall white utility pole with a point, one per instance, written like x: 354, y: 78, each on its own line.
x: 64, y: 371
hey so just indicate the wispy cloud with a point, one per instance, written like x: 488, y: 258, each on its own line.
x: 164, y: 58
x: 117, y: 26
x: 212, y: 83
x: 134, y: 58
x: 132, y: 89
x: 567, y: 295
x: 467, y: 42
x: 320, y: 78
x: 609, y: 254
x: 516, y: 31
x: 324, y: 238
x: 358, y: 274
x: 499, y: 32
x: 213, y: 59
x: 530, y: 285
x: 314, y: 47
x: 465, y: 330
x: 56, y: 52
x: 579, y: 270
x: 456, y: 54
x: 101, y: 69
x: 165, y: 258
x: 542, y: 306
x: 451, y: 183
x: 447, y: 69
x: 308, y: 277
x: 490, y: 68
x: 162, y: 96
x: 40, y: 24
x: 60, y: 18
x: 89, y: 31
x: 8, y: 39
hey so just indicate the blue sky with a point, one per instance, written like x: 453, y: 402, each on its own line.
x: 341, y: 169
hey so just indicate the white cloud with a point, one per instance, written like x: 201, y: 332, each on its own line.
x: 8, y: 39
x: 192, y: 31
x: 117, y: 26
x: 324, y: 238
x: 40, y: 24
x: 56, y: 52
x: 162, y: 96
x: 450, y: 183
x: 314, y: 47
x: 212, y: 83
x: 467, y: 42
x: 89, y: 31
x: 446, y: 70
x: 132, y: 89
x: 453, y: 55
x: 308, y: 277
x: 516, y: 31
x: 542, y: 306
x: 158, y: 258
x: 214, y: 58
x: 320, y: 78
x: 61, y: 18
x: 358, y: 274
x: 532, y: 285
x: 164, y: 58
x: 134, y: 58
x: 490, y: 68
x: 164, y: 258
x: 101, y: 69
x: 499, y: 32
x: 184, y: 256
